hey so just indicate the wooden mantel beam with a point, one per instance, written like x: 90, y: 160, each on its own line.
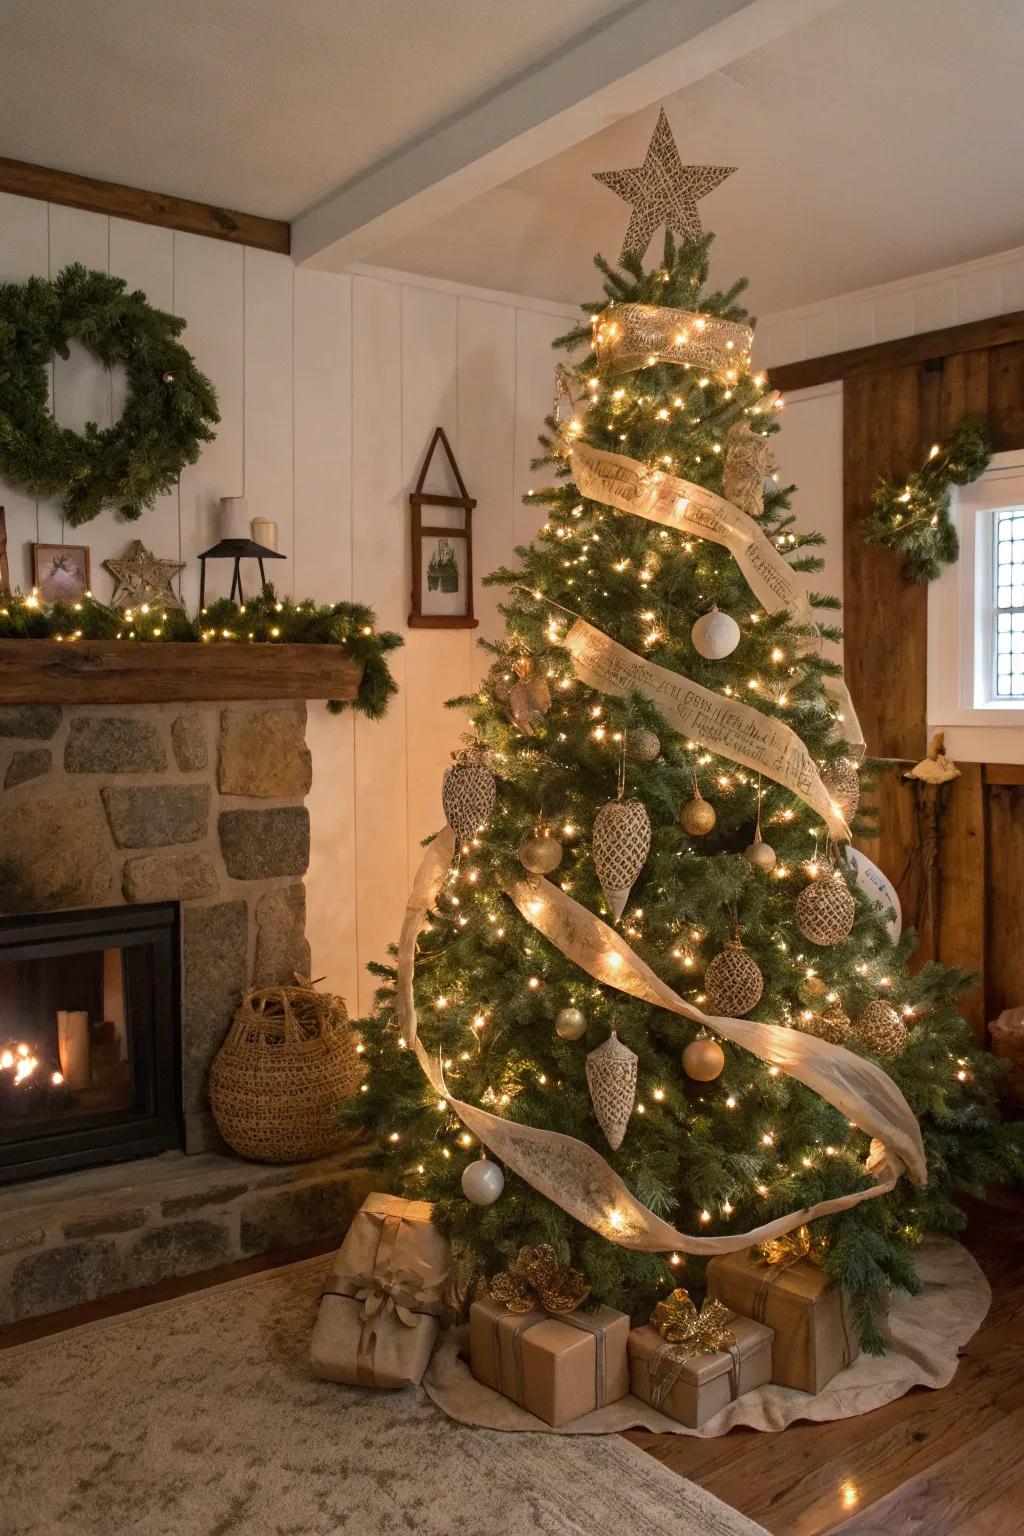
x: 133, y: 203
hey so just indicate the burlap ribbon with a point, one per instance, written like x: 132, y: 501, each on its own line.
x: 628, y: 336
x: 576, y: 1177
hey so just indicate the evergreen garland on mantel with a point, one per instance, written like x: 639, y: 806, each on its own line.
x: 264, y: 620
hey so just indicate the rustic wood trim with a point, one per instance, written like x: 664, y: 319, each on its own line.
x: 123, y: 672
x: 142, y: 207
x: 976, y: 335
x: 1004, y: 773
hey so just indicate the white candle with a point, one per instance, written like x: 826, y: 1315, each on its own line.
x: 264, y: 531
x: 234, y: 517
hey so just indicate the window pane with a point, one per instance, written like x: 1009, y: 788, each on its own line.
x: 1008, y: 593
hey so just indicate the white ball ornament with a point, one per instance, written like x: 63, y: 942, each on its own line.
x: 715, y: 635
x: 482, y: 1181
x: 761, y: 855
x: 570, y: 1023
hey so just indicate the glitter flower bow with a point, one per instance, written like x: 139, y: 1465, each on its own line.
x: 793, y: 1246
x: 536, y: 1279
x: 702, y: 1332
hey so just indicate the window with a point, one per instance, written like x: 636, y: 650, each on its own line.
x: 1007, y: 603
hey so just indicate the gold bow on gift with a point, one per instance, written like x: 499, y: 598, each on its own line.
x: 801, y: 1244
x: 400, y: 1294
x: 536, y: 1279
x: 704, y: 1332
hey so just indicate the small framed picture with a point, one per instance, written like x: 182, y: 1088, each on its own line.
x: 442, y: 550
x: 60, y: 572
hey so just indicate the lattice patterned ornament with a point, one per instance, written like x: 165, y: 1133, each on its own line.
x: 642, y: 745
x: 621, y: 842
x: 833, y: 1025
x: 748, y: 457
x: 611, y: 1078
x: 825, y: 910
x: 733, y: 982
x: 467, y: 794
x: 841, y: 780
x: 881, y: 1029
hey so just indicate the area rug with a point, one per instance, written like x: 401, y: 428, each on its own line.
x: 925, y: 1333
x: 200, y: 1417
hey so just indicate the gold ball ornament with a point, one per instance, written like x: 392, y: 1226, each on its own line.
x: 733, y: 982
x: 761, y: 855
x: 540, y: 853
x: 815, y: 986
x: 881, y: 1029
x: 825, y: 910
x: 843, y: 784
x: 642, y: 745
x: 833, y: 1025
x: 570, y: 1023
x: 698, y: 816
x: 703, y: 1060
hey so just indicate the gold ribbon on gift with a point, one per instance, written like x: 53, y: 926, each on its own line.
x: 577, y: 1178
x: 537, y: 1279
x: 794, y: 1246
x: 724, y: 725
x: 630, y: 486
x: 688, y: 1332
x: 628, y: 336
x: 400, y: 1295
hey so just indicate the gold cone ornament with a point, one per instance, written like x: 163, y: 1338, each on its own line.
x: 467, y: 794
x: 825, y: 910
x: 881, y: 1029
x: 529, y: 698
x: 733, y: 982
x: 611, y: 1078
x: 536, y: 1279
x: 621, y: 842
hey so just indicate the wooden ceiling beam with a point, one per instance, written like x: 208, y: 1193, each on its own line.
x: 974, y: 336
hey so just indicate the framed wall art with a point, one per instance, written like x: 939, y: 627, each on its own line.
x: 60, y: 571
x: 442, y: 550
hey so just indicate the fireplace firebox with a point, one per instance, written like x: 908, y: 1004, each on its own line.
x: 89, y: 1038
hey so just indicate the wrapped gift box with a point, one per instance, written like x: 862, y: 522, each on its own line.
x: 381, y: 1309
x: 693, y: 1388
x: 814, y: 1334
x: 555, y: 1367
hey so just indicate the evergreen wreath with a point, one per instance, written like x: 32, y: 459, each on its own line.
x: 913, y: 519
x: 169, y: 413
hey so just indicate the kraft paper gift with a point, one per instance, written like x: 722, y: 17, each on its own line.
x: 814, y: 1335
x: 692, y: 1388
x: 382, y: 1307
x: 555, y: 1367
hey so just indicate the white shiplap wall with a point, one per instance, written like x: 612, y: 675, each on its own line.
x: 330, y: 386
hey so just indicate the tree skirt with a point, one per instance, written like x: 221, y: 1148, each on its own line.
x: 926, y: 1333
x: 202, y: 1415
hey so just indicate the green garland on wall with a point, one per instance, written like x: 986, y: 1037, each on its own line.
x: 264, y: 620
x: 913, y: 518
x: 169, y: 413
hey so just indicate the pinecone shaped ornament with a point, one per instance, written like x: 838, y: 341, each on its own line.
x: 467, y: 795
x: 611, y: 1078
x: 843, y: 784
x: 733, y: 982
x: 825, y: 910
x: 621, y: 842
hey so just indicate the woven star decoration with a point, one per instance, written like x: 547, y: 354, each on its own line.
x: 662, y: 190
x: 140, y: 577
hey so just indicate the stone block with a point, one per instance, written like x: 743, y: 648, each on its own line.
x: 215, y: 970
x: 217, y: 1194
x: 169, y: 877
x: 144, y: 817
x: 257, y: 845
x: 188, y: 738
x: 304, y: 1213
x: 18, y: 1239
x: 179, y: 1249
x: 54, y: 853
x: 282, y: 949
x: 263, y: 754
x: 105, y: 1223
x: 110, y: 744
x: 32, y: 763
x: 63, y: 1277
x: 36, y: 722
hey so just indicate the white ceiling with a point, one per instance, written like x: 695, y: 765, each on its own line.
x: 879, y: 140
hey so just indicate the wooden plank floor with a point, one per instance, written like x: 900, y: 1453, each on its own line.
x: 947, y: 1463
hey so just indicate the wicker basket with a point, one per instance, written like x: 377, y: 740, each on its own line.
x: 287, y: 1063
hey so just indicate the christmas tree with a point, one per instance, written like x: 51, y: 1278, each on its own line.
x: 645, y: 864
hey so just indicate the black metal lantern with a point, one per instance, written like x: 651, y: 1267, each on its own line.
x: 236, y: 550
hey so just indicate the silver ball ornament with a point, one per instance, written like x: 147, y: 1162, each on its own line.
x: 715, y: 635
x: 540, y: 853
x: 482, y: 1181
x: 570, y: 1023
x: 642, y: 745
x: 703, y: 1060
x: 761, y: 855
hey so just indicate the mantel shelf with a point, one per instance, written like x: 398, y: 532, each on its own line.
x: 141, y: 672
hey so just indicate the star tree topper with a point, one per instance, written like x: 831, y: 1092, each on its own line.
x: 662, y: 190
x: 140, y: 577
